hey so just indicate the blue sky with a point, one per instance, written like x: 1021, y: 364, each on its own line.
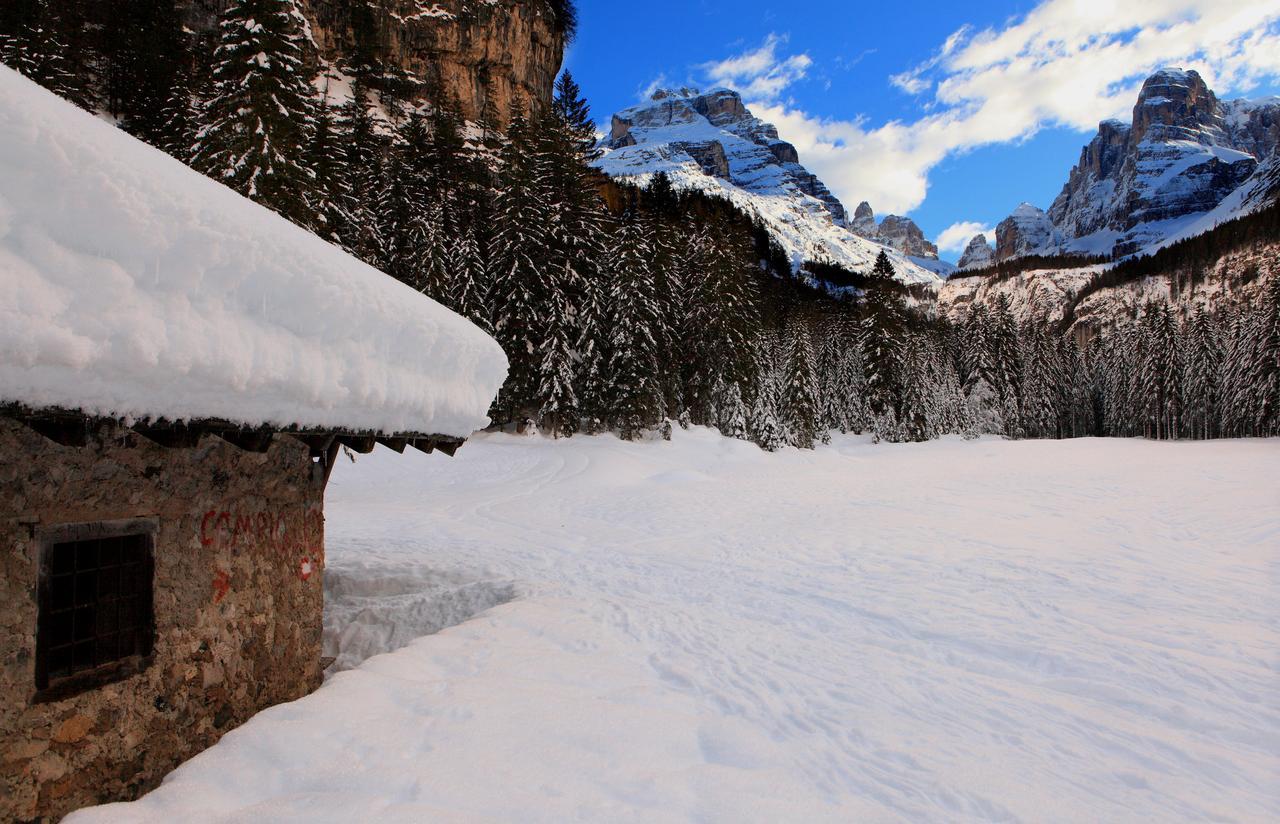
x: 950, y: 112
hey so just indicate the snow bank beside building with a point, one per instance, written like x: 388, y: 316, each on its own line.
x: 131, y: 286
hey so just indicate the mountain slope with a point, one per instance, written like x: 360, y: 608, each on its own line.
x: 712, y: 142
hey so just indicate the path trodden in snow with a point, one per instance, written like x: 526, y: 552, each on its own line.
x: 1037, y: 631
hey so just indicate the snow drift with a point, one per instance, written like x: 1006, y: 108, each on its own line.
x: 132, y: 286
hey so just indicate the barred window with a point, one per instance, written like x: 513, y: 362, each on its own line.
x: 95, y: 622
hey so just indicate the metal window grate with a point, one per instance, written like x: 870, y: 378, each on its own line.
x: 95, y: 605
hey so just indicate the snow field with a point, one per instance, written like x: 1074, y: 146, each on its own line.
x: 950, y: 631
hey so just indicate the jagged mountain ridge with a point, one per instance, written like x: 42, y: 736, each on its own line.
x: 896, y: 231
x: 1141, y: 183
x: 711, y: 142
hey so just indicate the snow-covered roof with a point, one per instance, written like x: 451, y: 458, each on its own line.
x: 133, y: 287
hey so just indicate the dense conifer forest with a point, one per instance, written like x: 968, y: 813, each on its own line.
x: 623, y: 308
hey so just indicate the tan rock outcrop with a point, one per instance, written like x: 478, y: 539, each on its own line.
x: 493, y: 57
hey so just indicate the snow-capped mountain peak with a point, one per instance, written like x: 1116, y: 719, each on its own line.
x: 1183, y: 153
x: 711, y: 141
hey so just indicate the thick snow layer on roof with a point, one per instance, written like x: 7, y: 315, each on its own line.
x: 132, y: 286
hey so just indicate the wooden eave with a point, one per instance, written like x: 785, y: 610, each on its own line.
x: 74, y: 428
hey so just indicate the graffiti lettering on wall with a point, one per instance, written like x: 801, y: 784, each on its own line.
x: 289, y: 534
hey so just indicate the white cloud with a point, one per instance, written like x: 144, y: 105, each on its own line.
x: 659, y: 82
x: 759, y: 74
x: 1066, y: 63
x: 956, y: 237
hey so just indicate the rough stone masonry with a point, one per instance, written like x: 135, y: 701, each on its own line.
x: 237, y: 601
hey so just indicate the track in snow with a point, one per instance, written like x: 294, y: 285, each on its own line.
x: 1037, y: 631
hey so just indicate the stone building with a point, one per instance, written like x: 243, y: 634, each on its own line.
x: 179, y: 369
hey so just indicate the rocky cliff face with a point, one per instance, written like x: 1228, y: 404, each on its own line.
x: 977, y: 254
x: 492, y: 56
x: 712, y: 142
x: 895, y: 231
x: 903, y: 234
x: 1183, y: 153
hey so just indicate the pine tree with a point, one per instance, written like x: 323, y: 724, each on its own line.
x: 801, y: 402
x: 469, y: 284
x: 765, y: 426
x: 722, y: 321
x: 430, y: 242
x: 332, y: 190
x: 358, y: 149
x: 978, y: 358
x: 36, y: 49
x: 571, y: 109
x: 517, y: 287
x: 1161, y: 373
x: 1238, y: 396
x: 1042, y: 376
x: 259, y: 120
x: 1006, y: 359
x: 1079, y: 382
x: 558, y: 414
x: 853, y: 383
x: 832, y: 388
x: 409, y: 235
x: 634, y: 393
x: 882, y: 342
x: 1267, y: 371
x: 179, y: 119
x: 1201, y: 400
x: 593, y: 353
x: 145, y: 58
x: 732, y: 412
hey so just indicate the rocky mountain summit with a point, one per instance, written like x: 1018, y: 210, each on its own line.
x: 977, y: 254
x: 895, y: 231
x: 712, y: 142
x: 1027, y: 231
x: 1137, y: 184
x: 757, y: 154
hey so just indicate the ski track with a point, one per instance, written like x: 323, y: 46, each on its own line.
x: 953, y: 631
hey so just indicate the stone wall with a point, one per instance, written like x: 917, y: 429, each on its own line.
x: 238, y: 607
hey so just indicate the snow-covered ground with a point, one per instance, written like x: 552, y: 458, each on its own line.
x: 950, y: 631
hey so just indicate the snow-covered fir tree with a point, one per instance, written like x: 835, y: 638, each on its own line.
x: 801, y: 389
x: 764, y: 424
x: 517, y: 259
x: 468, y: 285
x: 882, y: 342
x: 36, y: 49
x: 732, y: 412
x: 633, y: 386
x: 259, y: 119
x: 143, y: 68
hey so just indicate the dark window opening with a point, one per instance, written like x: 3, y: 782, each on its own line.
x: 96, y: 623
